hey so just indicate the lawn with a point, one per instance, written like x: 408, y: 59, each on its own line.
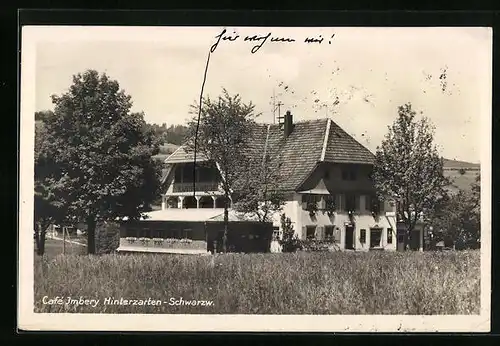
x: 298, y: 283
x: 54, y: 247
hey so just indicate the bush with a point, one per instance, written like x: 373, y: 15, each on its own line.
x: 317, y: 245
x: 107, y: 237
x: 290, y: 241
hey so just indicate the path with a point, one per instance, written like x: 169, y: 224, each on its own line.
x: 67, y: 241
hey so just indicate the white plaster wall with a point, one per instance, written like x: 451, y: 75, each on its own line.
x: 363, y: 219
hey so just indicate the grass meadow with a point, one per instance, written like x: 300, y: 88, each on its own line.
x: 290, y: 283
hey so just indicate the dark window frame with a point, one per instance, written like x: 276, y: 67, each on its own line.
x: 348, y: 201
x: 131, y: 232
x: 309, y: 228
x: 187, y: 233
x: 326, y: 230
x: 349, y: 174
x: 372, y: 231
x: 389, y: 235
x: 362, y: 236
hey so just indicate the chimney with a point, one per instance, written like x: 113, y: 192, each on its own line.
x: 288, y: 120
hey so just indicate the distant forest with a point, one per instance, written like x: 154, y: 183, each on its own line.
x: 173, y: 134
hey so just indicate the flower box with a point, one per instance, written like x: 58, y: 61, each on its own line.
x: 158, y: 241
x: 144, y: 241
x: 131, y: 240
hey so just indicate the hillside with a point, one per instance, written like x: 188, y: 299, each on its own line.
x: 462, y: 173
x: 455, y: 164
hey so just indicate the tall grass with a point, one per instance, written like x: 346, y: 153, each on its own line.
x: 298, y: 283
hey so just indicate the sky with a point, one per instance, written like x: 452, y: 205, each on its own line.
x: 371, y: 70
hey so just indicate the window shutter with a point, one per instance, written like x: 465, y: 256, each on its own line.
x: 357, y: 202
x: 368, y: 202
x: 321, y: 203
x: 304, y: 232
x: 341, y: 201
x: 337, y: 234
x: 320, y: 233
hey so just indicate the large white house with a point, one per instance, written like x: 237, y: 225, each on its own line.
x: 326, y: 178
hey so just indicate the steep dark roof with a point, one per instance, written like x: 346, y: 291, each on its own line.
x: 343, y: 148
x: 309, y: 143
x: 299, y: 152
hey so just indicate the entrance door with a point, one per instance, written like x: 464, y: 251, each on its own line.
x: 400, y: 240
x: 349, y: 237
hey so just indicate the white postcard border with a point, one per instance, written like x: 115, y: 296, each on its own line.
x: 28, y: 320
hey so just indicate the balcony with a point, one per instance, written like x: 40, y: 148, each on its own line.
x: 200, y: 187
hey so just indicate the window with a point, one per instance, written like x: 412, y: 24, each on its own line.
x: 173, y: 233
x: 178, y: 174
x: 187, y: 233
x: 350, y: 202
x: 329, y: 233
x: 158, y: 233
x: 372, y: 203
x: 308, y: 198
x: 348, y: 174
x: 362, y: 236
x: 345, y: 175
x: 276, y: 233
x: 131, y: 232
x: 375, y: 237
x: 330, y: 202
x: 389, y: 236
x: 310, y: 232
x: 177, y: 233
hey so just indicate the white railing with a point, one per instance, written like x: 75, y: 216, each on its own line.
x: 199, y: 186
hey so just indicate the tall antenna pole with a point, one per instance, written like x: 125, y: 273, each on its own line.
x: 274, y: 107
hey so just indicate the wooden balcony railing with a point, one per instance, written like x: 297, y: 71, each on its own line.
x: 200, y: 186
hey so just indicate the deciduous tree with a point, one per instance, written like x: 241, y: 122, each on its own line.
x: 408, y: 167
x: 48, y: 209
x: 459, y: 217
x: 258, y: 190
x: 101, y: 152
x: 222, y: 136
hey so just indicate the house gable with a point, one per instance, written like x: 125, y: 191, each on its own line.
x: 299, y: 154
x: 343, y: 148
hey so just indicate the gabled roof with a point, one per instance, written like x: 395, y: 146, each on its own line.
x: 342, y: 148
x: 309, y: 143
x: 181, y: 155
x: 300, y: 152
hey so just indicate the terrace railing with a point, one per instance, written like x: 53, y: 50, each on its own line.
x: 200, y: 186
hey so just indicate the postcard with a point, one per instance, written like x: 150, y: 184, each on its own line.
x: 301, y: 179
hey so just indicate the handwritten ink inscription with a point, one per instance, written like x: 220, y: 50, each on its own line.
x: 260, y: 40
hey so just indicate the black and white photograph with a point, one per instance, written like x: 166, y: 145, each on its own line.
x: 178, y: 178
